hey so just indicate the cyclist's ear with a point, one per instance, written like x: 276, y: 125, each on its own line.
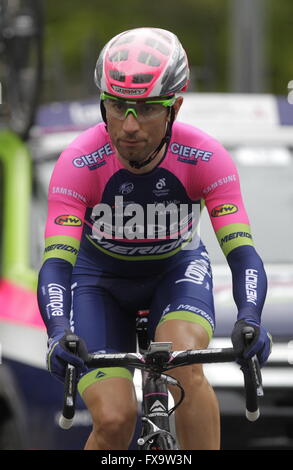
x: 177, y: 105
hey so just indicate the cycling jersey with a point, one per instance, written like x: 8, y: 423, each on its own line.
x: 88, y: 173
x: 89, y: 185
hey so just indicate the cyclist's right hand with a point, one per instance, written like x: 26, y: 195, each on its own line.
x: 59, y: 355
x: 260, y: 345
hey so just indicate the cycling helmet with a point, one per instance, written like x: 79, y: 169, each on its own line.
x: 142, y: 63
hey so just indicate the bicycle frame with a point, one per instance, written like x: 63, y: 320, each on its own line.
x: 155, y: 433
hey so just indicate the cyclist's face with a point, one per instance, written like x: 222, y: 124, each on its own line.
x: 136, y: 134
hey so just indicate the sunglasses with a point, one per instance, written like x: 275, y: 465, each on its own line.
x: 142, y: 110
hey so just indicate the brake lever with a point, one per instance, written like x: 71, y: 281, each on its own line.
x: 248, y: 332
x: 252, y: 379
x: 70, y: 386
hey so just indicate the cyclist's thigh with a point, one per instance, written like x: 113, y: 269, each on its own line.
x: 98, y: 318
x: 105, y: 327
x: 185, y: 294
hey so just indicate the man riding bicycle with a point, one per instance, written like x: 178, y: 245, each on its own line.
x: 122, y: 235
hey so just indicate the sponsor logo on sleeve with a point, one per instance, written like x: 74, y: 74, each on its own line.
x: 251, y: 280
x: 224, y: 209
x: 220, y: 182
x: 234, y: 235
x: 68, y: 192
x: 68, y: 221
x: 61, y: 246
x: 56, y: 296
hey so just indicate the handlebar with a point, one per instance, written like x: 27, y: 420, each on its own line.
x: 158, y: 362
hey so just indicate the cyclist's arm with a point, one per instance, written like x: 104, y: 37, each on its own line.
x: 226, y: 209
x: 67, y: 203
x: 54, y: 295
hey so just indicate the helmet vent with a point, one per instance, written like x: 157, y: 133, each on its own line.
x: 166, y: 37
x: 125, y: 39
x: 119, y: 56
x: 142, y: 78
x: 148, y: 59
x: 116, y: 75
x: 158, y: 45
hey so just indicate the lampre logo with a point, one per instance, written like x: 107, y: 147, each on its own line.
x: 68, y: 221
x: 56, y: 296
x: 224, y: 209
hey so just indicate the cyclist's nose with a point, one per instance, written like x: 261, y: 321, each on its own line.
x: 130, y: 123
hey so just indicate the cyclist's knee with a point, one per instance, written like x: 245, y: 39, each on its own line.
x: 191, y: 376
x: 113, y: 408
x: 114, y: 425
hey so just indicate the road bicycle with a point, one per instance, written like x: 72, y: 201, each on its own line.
x: 154, y: 359
x: 21, y: 62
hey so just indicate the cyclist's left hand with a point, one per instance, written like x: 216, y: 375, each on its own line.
x: 261, y: 344
x: 59, y: 355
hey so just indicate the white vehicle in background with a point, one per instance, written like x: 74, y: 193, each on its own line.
x: 258, y: 132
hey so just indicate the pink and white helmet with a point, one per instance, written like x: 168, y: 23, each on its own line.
x: 141, y: 63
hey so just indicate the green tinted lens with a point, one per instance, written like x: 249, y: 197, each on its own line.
x: 148, y: 111
x: 116, y: 108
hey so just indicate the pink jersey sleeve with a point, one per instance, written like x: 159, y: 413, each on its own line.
x: 211, y: 177
x: 220, y: 187
x: 67, y: 202
x: 74, y: 187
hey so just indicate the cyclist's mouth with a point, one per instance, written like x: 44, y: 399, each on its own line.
x: 130, y: 143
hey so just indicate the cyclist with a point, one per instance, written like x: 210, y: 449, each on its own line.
x: 106, y: 256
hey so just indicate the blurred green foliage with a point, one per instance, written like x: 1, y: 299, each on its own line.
x: 76, y: 30
x: 280, y: 45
